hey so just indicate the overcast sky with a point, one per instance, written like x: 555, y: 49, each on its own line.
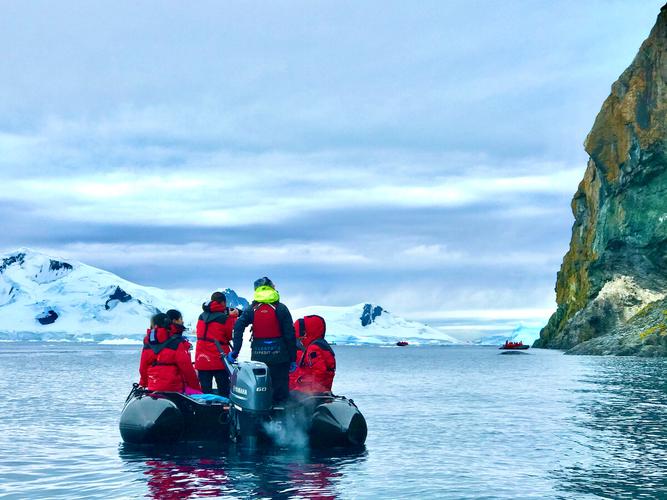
x: 420, y: 155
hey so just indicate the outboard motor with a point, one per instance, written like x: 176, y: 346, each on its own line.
x: 251, y: 399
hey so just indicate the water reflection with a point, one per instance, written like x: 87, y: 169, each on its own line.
x: 620, y: 424
x: 226, y: 471
x: 169, y: 479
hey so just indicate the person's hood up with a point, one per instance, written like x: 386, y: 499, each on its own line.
x: 212, y: 307
x: 310, y: 328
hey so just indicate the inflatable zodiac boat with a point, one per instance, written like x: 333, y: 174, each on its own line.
x: 151, y: 417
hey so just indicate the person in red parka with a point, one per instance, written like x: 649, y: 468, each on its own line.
x: 165, y: 361
x: 214, y: 333
x: 317, y: 366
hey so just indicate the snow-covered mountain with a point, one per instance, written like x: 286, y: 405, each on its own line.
x: 43, y: 297
x: 371, y: 324
x: 48, y: 298
x: 233, y: 300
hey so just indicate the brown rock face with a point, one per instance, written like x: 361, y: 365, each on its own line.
x: 620, y: 208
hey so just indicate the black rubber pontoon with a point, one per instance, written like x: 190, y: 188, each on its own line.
x: 169, y: 417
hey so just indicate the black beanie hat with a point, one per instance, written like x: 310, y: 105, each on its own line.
x: 265, y: 281
x: 219, y: 297
x: 160, y: 320
x: 173, y: 314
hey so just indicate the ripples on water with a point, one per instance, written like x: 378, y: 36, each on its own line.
x: 452, y: 422
x: 622, y: 416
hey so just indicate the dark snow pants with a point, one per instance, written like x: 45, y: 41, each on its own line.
x: 221, y: 379
x: 280, y: 381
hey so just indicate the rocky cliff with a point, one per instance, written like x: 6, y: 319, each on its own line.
x: 615, y: 271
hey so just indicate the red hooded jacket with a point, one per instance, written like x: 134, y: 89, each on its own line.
x: 165, y: 363
x: 316, y: 365
x: 214, y: 324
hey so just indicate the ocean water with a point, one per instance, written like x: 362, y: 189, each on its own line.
x: 444, y: 422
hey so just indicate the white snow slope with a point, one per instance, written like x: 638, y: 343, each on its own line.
x: 345, y: 325
x: 96, y: 305
x: 33, y: 284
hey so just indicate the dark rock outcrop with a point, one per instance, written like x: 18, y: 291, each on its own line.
x: 369, y: 314
x: 617, y: 261
x: 645, y: 334
x: 48, y: 317
x: 56, y: 265
x: 17, y: 258
x: 120, y: 295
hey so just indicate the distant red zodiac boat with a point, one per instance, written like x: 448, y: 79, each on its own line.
x: 517, y: 346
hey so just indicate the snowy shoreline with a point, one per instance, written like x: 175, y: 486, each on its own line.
x: 111, y: 339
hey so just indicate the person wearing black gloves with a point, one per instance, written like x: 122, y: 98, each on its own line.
x: 273, y: 339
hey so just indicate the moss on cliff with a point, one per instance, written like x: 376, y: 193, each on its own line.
x: 620, y: 207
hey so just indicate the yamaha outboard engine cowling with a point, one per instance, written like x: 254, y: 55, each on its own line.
x: 251, y: 396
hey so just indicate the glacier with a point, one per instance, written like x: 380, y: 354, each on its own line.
x: 46, y: 298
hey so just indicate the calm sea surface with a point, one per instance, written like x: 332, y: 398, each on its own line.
x: 444, y: 422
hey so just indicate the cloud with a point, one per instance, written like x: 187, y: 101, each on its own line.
x: 291, y: 254
x: 430, y: 252
x: 422, y: 157
x: 211, y: 196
